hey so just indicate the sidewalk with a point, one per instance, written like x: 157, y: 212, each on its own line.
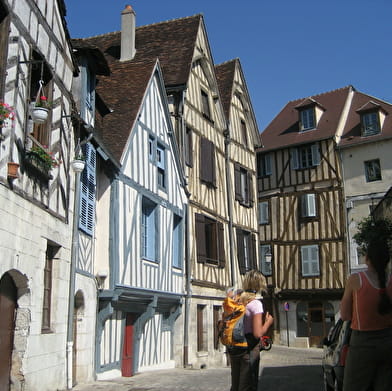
x: 278, y: 363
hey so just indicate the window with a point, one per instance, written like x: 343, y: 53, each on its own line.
x: 307, y: 119
x: 246, y: 251
x: 308, y: 205
x: 207, y: 162
x: 87, y: 102
x: 205, y: 105
x: 370, y: 123
x: 264, y: 164
x: 177, y: 241
x: 157, y: 156
x: 373, y: 170
x: 161, y: 166
x: 263, y: 212
x: 310, y: 260
x: 209, y: 241
x: 266, y: 259
x: 88, y: 190
x: 243, y: 183
x: 244, y: 133
x: 188, y: 148
x: 305, y: 156
x: 47, y: 295
x: 201, y: 328
x: 149, y: 229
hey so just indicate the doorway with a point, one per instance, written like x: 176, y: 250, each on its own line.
x: 127, y: 356
x: 8, y: 304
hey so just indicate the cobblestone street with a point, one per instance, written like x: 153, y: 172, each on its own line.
x: 282, y: 369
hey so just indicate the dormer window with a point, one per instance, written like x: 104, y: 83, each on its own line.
x: 372, y: 118
x: 307, y: 120
x: 309, y: 113
x: 370, y: 123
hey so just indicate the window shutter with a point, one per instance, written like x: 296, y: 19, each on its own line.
x: 315, y: 270
x: 207, y: 161
x: 253, y: 260
x: 267, y: 164
x: 237, y: 182
x: 305, y: 261
x: 188, y: 148
x: 315, y: 155
x: 221, y: 240
x: 263, y: 212
x: 200, y: 238
x: 250, y: 188
x: 240, y: 251
x: 294, y: 158
x: 87, y: 191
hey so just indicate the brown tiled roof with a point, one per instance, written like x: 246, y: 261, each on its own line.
x: 352, y: 129
x: 172, y: 42
x: 283, y: 131
x: 225, y: 77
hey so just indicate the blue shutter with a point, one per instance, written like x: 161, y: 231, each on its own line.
x: 315, y: 155
x: 87, y: 191
x: 267, y: 164
x: 177, y: 240
x: 294, y: 158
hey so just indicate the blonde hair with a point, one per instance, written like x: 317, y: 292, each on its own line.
x: 253, y: 282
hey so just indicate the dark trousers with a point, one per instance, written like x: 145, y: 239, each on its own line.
x: 369, y: 361
x: 244, y: 368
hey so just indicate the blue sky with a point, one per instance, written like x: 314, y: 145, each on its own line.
x: 289, y: 49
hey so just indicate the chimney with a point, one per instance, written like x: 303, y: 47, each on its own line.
x: 128, y: 26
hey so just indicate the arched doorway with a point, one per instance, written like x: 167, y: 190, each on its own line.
x: 8, y: 304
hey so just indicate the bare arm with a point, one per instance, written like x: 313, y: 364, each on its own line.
x: 346, y: 304
x: 260, y: 328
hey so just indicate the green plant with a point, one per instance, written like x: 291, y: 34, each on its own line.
x: 43, y: 102
x: 45, y: 158
x: 370, y: 229
x: 6, y: 112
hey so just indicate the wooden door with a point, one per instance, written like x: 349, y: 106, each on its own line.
x: 8, y: 297
x: 127, y: 357
x: 316, y: 323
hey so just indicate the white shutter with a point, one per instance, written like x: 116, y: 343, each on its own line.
x: 308, y: 205
x: 315, y: 155
x: 263, y: 212
x: 294, y: 158
x: 310, y: 260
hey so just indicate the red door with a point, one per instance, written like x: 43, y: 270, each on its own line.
x: 127, y: 357
x: 8, y: 294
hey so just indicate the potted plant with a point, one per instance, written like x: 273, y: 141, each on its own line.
x: 6, y: 113
x: 12, y: 172
x: 40, y: 110
x: 78, y: 163
x: 41, y: 159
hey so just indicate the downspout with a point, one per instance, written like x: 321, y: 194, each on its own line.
x: 74, y: 256
x: 229, y: 199
x: 188, y: 269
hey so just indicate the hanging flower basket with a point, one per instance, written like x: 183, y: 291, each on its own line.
x: 40, y: 162
x: 78, y: 165
x: 39, y: 115
x: 40, y: 109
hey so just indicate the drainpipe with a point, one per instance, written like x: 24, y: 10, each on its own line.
x: 229, y: 201
x: 71, y: 293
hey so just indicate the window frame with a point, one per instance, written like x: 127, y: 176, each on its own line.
x: 177, y: 241
x: 366, y: 124
x: 305, y: 156
x: 308, y: 205
x: 264, y: 165
x: 149, y: 229
x: 243, y: 184
x: 244, y: 132
x: 307, y: 119
x: 210, y: 243
x: 371, y: 165
x: 310, y: 262
x: 246, y: 250
x: 205, y: 104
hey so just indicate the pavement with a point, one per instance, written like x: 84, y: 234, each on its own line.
x: 282, y: 369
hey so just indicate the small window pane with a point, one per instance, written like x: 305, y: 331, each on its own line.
x: 370, y: 123
x: 307, y: 119
x: 373, y: 170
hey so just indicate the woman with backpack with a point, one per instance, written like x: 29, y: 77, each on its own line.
x: 367, y: 302
x: 245, y: 361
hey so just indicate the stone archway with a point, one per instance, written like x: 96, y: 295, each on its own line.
x: 21, y: 329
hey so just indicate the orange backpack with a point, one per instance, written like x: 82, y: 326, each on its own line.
x: 231, y: 327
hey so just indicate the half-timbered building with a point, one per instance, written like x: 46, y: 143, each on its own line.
x: 141, y: 262
x: 36, y: 201
x: 303, y: 246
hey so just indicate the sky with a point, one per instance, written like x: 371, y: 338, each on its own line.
x: 289, y: 49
